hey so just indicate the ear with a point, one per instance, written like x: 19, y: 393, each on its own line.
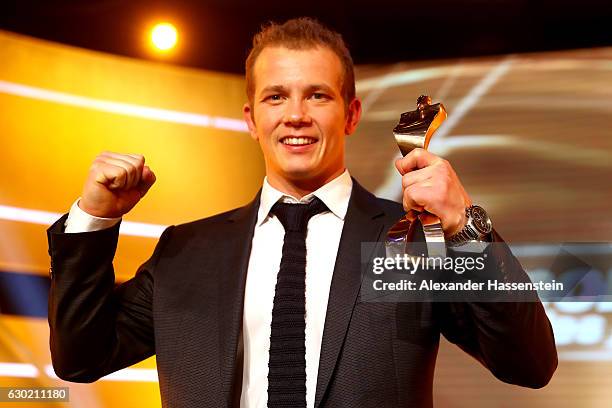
x: 247, y: 114
x: 353, y: 116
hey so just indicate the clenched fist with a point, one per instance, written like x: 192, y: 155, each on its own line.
x: 116, y: 182
x: 429, y: 183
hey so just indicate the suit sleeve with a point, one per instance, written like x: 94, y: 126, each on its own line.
x: 97, y: 327
x: 513, y: 339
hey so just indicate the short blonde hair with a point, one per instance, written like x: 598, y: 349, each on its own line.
x: 301, y: 34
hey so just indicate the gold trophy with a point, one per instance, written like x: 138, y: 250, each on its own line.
x: 414, y: 130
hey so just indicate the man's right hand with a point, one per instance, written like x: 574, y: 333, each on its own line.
x: 116, y: 182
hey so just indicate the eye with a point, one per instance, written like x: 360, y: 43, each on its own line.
x: 273, y: 98
x: 319, y: 96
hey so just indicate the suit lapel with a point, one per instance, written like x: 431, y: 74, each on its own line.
x: 232, y: 273
x: 362, y: 224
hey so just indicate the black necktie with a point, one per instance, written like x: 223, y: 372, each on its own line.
x: 287, y: 365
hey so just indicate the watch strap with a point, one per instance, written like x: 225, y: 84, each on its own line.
x: 468, y: 232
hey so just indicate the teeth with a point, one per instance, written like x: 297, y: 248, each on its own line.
x: 298, y: 141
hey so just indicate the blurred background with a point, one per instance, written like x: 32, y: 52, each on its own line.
x: 528, y: 88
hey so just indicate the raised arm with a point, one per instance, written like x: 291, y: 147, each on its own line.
x: 514, y: 340
x: 97, y: 327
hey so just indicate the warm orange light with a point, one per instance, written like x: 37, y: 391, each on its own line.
x: 164, y: 37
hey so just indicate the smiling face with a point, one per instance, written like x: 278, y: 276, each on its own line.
x: 299, y: 117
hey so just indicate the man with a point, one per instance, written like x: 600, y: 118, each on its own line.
x: 207, y: 302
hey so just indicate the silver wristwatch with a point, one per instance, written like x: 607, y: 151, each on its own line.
x: 477, y: 228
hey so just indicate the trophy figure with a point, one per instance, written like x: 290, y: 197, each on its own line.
x: 414, y: 130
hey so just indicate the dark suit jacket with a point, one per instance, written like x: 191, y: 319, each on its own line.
x: 185, y: 305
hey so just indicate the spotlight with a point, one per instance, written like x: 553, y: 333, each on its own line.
x: 164, y: 36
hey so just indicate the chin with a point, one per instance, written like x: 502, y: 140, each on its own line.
x: 301, y: 175
x: 299, y: 170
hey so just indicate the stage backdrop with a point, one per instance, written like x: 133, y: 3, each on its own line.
x: 529, y: 135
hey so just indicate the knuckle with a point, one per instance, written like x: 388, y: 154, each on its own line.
x: 408, y: 191
x: 402, y: 162
x: 130, y: 168
x: 405, y: 180
x: 98, y: 166
x: 121, y: 172
x: 412, y: 196
x: 139, y: 160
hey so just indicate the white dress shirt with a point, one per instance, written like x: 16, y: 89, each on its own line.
x: 322, y: 241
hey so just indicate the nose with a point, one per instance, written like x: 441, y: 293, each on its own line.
x: 296, y: 113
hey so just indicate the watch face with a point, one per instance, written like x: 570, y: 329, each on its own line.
x: 481, y: 219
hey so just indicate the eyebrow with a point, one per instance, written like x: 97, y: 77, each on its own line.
x: 321, y: 87
x: 283, y: 89
x: 274, y: 89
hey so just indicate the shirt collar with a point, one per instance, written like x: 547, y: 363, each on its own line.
x: 335, y: 194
